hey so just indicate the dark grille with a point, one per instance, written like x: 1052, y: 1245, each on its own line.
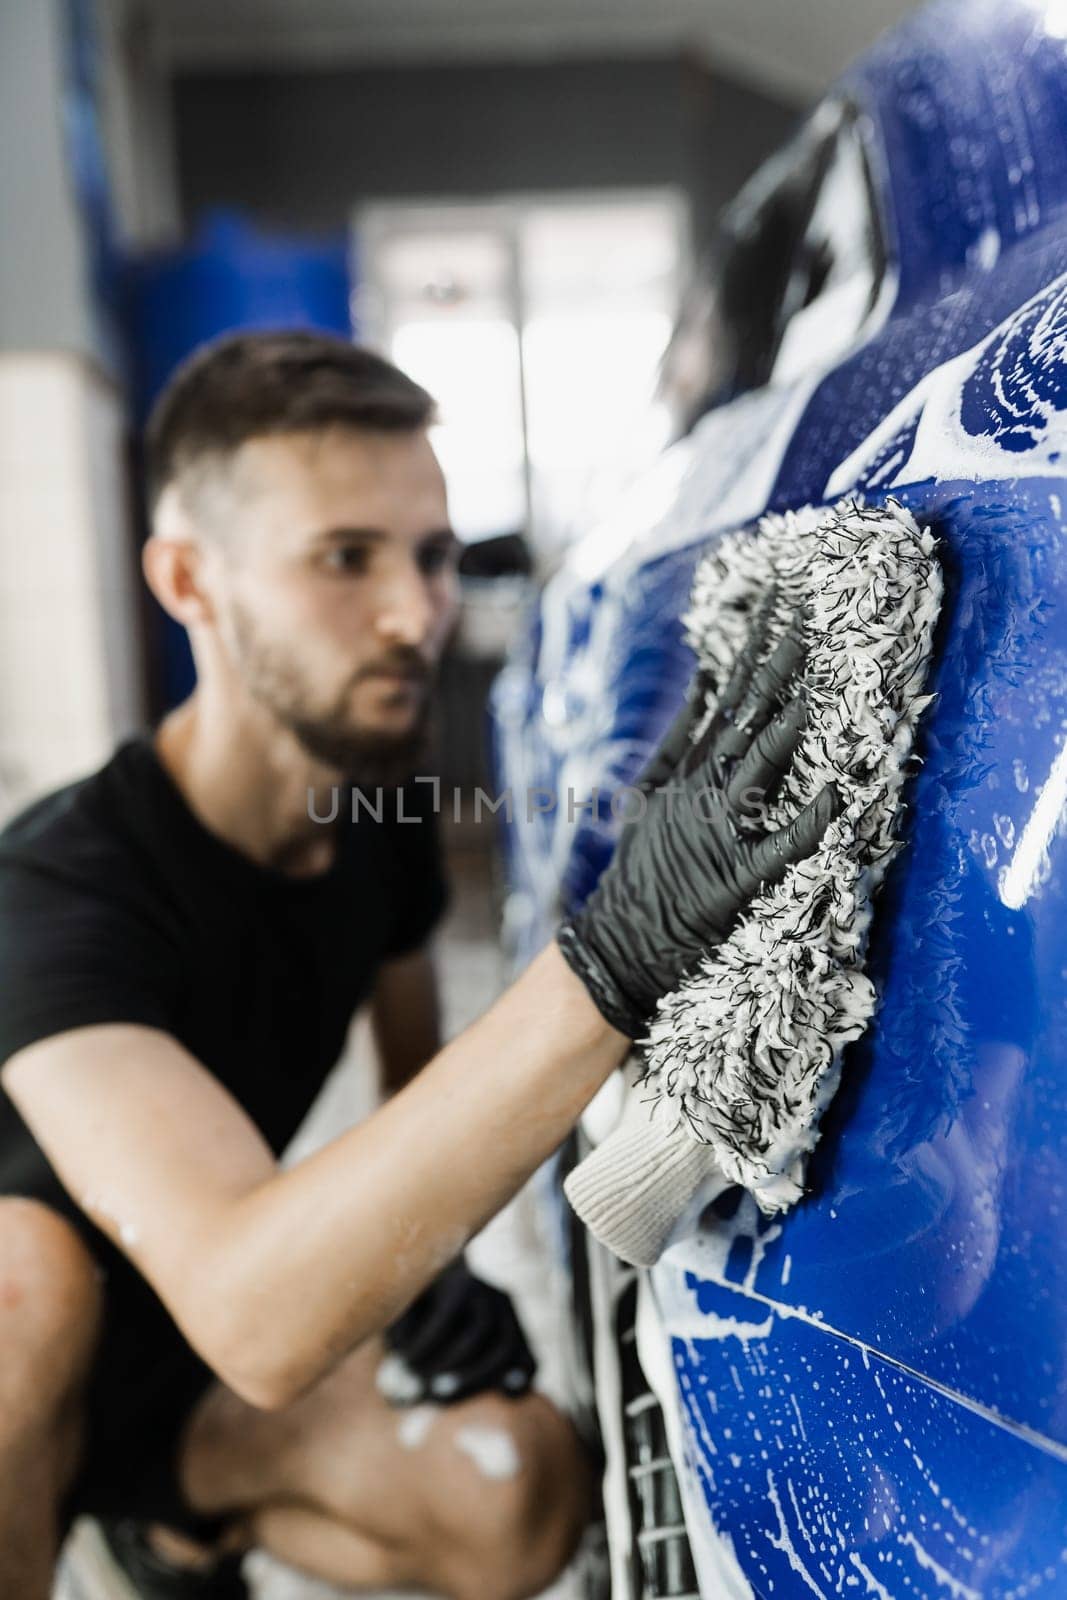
x: 662, y: 1563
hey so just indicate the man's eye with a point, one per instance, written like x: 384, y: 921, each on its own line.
x: 436, y: 559
x: 346, y: 558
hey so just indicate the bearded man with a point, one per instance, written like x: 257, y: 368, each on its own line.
x: 190, y: 1333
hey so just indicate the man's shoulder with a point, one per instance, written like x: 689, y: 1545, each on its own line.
x: 86, y: 935
x: 82, y: 830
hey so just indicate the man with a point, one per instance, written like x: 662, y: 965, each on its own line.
x: 189, y: 1336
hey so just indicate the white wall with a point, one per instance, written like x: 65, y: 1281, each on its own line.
x: 70, y: 674
x: 69, y: 668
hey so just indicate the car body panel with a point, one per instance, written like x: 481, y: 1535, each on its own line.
x: 914, y: 1305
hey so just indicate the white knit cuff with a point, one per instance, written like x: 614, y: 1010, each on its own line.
x: 632, y: 1190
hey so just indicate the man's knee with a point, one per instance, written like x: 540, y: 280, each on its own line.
x: 524, y: 1495
x: 49, y: 1307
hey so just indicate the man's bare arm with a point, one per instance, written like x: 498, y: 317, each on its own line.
x: 405, y: 1016
x: 274, y: 1276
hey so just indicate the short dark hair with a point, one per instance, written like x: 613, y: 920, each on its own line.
x: 245, y: 385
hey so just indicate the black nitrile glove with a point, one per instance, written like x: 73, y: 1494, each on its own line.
x: 460, y: 1337
x: 687, y: 868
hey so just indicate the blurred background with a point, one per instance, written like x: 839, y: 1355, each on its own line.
x: 511, y: 200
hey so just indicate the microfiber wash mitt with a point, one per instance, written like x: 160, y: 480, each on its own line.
x: 742, y: 1059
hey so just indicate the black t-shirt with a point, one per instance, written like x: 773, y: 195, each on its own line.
x: 118, y: 905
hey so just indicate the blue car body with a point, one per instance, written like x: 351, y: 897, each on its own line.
x: 868, y: 1396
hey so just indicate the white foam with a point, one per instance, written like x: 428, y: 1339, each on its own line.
x: 719, y: 1569
x: 874, y: 1587
x: 784, y: 1542
x: 396, y: 1382
x: 104, y: 1208
x: 414, y: 1426
x: 493, y: 1450
x: 943, y: 448
x: 958, y: 1590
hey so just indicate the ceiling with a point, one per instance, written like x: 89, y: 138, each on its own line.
x: 792, y: 48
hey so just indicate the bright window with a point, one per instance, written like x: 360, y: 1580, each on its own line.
x: 538, y: 325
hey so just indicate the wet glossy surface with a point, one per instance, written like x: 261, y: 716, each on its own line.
x: 934, y: 1233
x: 935, y: 1226
x: 828, y: 1470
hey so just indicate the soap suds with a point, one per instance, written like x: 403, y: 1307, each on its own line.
x: 492, y: 1450
x: 879, y: 1590
x: 414, y: 1426
x: 100, y: 1206
x: 784, y: 1543
x: 958, y: 1590
x: 1007, y: 380
x: 396, y: 1382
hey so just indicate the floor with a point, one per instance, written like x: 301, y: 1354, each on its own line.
x: 512, y: 1250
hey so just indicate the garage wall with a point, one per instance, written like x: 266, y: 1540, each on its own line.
x: 301, y: 148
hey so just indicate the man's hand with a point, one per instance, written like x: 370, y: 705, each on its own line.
x: 685, y: 871
x: 460, y: 1337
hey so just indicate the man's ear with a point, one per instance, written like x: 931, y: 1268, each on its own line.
x: 174, y: 561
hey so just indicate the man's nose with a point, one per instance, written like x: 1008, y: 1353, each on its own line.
x: 405, y: 609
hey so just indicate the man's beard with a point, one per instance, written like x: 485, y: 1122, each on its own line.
x: 374, y: 760
x: 364, y: 755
